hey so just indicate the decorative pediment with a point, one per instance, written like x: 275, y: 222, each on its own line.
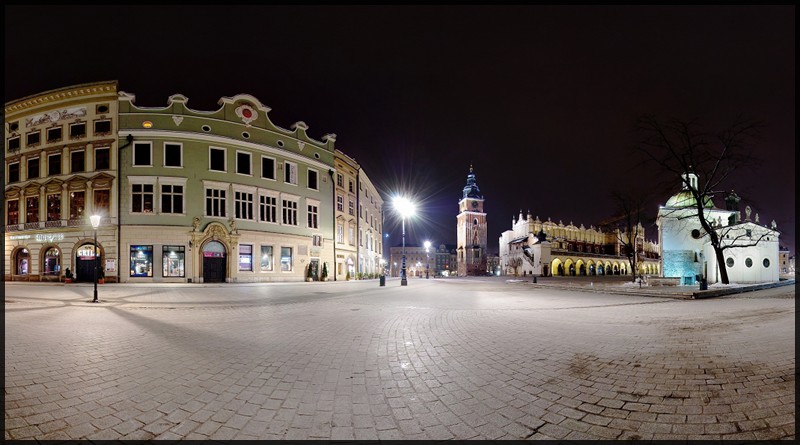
x: 12, y: 192
x: 32, y: 189
x: 77, y: 183
x: 102, y: 180
x: 53, y: 185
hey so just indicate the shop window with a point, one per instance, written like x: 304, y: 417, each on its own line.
x: 77, y: 130
x: 266, y: 258
x: 52, y: 262
x: 54, y: 207
x: 141, y: 261
x: 22, y: 262
x: 54, y: 134
x: 173, y: 155
x: 102, y: 159
x: 76, y: 205
x: 54, y: 164
x: 246, y: 257
x: 33, y: 168
x: 286, y: 259
x: 77, y: 160
x: 173, y: 261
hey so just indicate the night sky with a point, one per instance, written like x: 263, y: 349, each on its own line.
x: 540, y: 99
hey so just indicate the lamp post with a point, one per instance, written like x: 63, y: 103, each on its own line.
x: 406, y: 208
x: 95, y: 219
x: 427, y: 259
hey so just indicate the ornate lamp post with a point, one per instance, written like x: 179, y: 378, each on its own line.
x: 406, y: 208
x: 95, y: 219
x: 427, y: 259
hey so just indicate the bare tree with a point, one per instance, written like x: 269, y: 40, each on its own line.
x: 627, y: 225
x: 680, y: 149
x: 515, y: 263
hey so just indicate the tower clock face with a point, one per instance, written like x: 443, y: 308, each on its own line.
x: 475, y: 204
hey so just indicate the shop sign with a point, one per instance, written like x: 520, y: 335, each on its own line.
x: 15, y: 237
x: 49, y: 237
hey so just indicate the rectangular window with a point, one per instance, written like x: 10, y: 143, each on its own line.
x: 173, y: 155
x: 246, y: 257
x: 216, y: 159
x: 286, y: 259
x: 143, y: 154
x: 243, y: 202
x: 12, y: 212
x: 340, y: 203
x: 215, y: 202
x: 316, y: 240
x: 142, y: 198
x: 54, y: 207
x: 54, y: 134
x: 313, y: 212
x: 266, y: 258
x: 77, y: 161
x: 351, y: 207
x: 102, y: 202
x: 339, y: 234
x: 171, y: 198
x: 76, y: 205
x: 173, y: 261
x: 350, y: 187
x: 54, y: 164
x: 102, y: 127
x: 33, y: 138
x: 313, y: 179
x: 290, y: 173
x: 289, y: 213
x: 243, y: 163
x: 141, y: 261
x: 13, y: 143
x: 268, y: 208
x: 102, y: 159
x: 77, y: 130
x: 267, y: 168
x: 352, y: 239
x: 339, y: 180
x: 32, y: 209
x: 13, y: 172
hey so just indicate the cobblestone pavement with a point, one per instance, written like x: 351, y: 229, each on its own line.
x: 438, y: 359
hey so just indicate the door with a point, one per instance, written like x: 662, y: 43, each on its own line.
x: 215, y: 262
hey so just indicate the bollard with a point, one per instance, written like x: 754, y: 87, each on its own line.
x: 383, y: 280
x: 534, y: 279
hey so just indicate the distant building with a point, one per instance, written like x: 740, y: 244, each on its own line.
x: 471, y: 230
x: 446, y: 260
x: 786, y: 261
x: 417, y: 261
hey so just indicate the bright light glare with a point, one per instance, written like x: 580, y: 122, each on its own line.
x: 427, y: 244
x: 404, y: 206
x: 95, y: 219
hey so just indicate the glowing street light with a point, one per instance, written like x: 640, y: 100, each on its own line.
x: 405, y: 208
x: 95, y: 219
x: 427, y: 259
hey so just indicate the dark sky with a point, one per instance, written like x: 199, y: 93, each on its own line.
x: 540, y: 99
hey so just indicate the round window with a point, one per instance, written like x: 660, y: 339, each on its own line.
x: 206, y: 128
x: 729, y: 262
x: 695, y: 234
x: 246, y: 135
x: 766, y: 262
x: 316, y: 155
x: 748, y: 262
x: 280, y: 143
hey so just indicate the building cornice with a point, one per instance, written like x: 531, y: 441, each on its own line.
x: 82, y: 91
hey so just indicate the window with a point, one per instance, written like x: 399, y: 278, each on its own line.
x: 54, y: 164
x: 289, y: 212
x: 33, y: 138
x: 266, y: 258
x: 339, y: 233
x: 54, y: 134
x: 142, y: 198
x: 77, y: 161
x: 102, y: 159
x: 173, y: 260
x: 286, y: 259
x: 102, y: 201
x: 352, y: 239
x: 12, y: 212
x: 766, y: 262
x: 316, y: 240
x: 52, y: 262
x: 313, y: 212
x: 243, y: 163
x: 268, y: 207
x: 141, y: 261
x: 243, y: 202
x: 246, y: 257
x: 76, y: 204
x: 340, y: 203
x: 216, y: 159
x: 313, y: 179
x: 171, y: 198
x: 54, y: 207
x: 13, y: 172
x: 13, y: 143
x: 350, y: 187
x: 143, y: 154
x: 32, y: 209
x: 173, y: 155
x: 215, y: 202
x: 339, y: 180
x: 351, y: 207
x: 102, y: 127
x: 267, y: 168
x: 748, y: 262
x: 290, y: 173
x: 77, y: 130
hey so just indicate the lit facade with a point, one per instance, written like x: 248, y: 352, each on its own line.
x: 471, y: 230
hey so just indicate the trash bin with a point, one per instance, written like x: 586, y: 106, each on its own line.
x: 703, y: 284
x: 383, y: 280
x: 534, y: 278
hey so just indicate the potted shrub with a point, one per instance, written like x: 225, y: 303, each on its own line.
x: 347, y: 277
x: 324, y: 271
x: 309, y: 275
x: 68, y: 276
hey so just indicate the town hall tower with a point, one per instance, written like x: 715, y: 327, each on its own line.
x: 471, y: 237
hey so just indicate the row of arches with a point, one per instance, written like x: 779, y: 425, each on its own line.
x: 48, y: 262
x: 570, y: 267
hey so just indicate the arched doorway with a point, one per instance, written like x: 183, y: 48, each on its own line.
x: 86, y: 258
x: 51, y: 263
x: 22, y: 262
x: 215, y: 262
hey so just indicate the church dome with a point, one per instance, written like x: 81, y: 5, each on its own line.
x: 684, y: 198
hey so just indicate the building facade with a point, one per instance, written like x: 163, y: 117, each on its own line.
x: 61, y: 164
x: 418, y: 261
x: 471, y: 230
x: 370, y: 226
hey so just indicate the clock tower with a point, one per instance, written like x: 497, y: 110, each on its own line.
x: 471, y: 252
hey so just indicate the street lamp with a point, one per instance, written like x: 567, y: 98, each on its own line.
x: 406, y: 208
x: 95, y: 219
x: 427, y: 259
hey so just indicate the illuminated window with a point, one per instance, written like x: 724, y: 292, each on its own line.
x: 173, y: 261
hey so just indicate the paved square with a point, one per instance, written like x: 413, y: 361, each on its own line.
x: 438, y: 359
